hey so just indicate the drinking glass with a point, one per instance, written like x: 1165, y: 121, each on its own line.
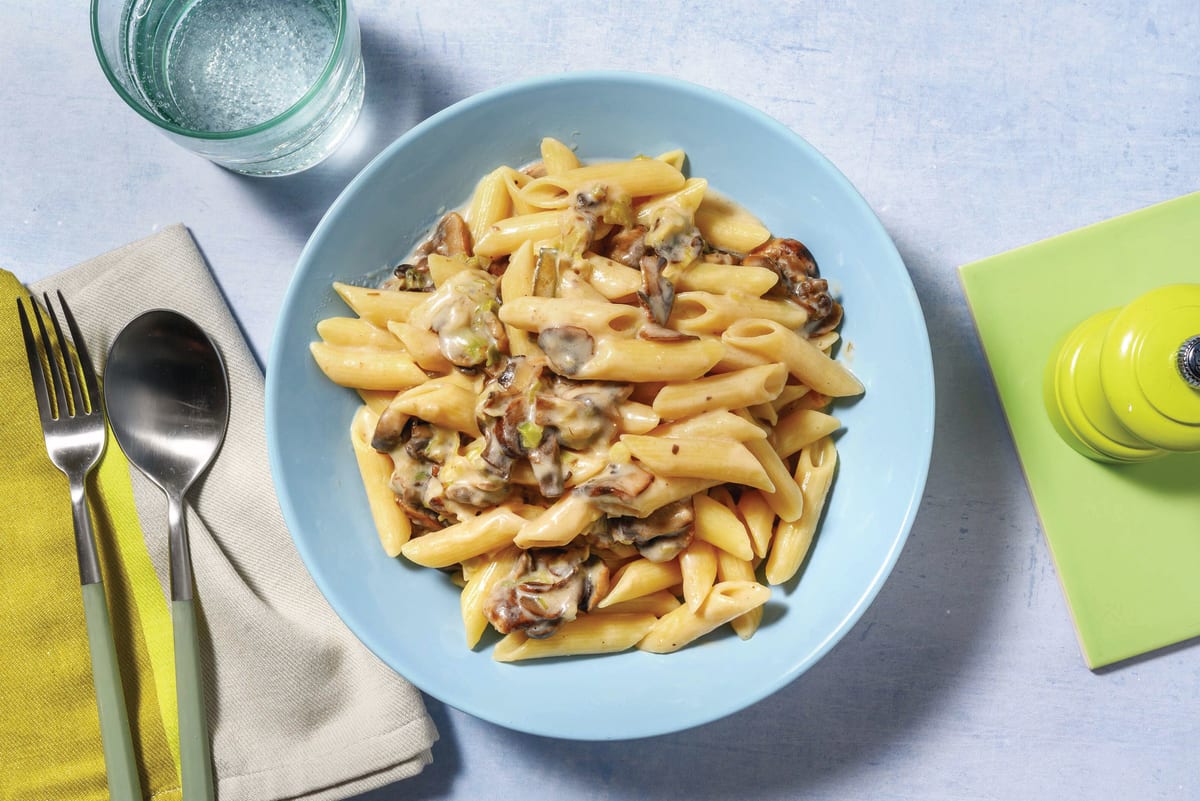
x: 261, y: 87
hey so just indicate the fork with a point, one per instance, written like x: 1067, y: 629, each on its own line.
x: 74, y: 427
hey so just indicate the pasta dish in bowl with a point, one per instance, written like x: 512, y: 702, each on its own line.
x: 604, y: 401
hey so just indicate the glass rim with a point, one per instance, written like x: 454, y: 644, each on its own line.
x: 239, y: 133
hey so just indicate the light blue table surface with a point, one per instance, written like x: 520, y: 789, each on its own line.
x: 970, y: 128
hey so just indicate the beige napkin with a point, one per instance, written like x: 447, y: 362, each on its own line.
x: 298, y: 707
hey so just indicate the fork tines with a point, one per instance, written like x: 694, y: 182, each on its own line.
x: 56, y: 356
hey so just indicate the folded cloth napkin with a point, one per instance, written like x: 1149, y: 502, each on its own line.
x: 298, y: 708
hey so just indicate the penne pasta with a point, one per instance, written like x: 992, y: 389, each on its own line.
x: 422, y: 345
x: 475, y: 594
x: 638, y: 360
x: 472, y: 537
x: 723, y: 278
x: 733, y: 390
x: 637, y: 418
x: 559, y: 524
x: 686, y: 199
x: 598, y: 318
x: 612, y: 279
x: 674, y: 157
x: 665, y: 489
x: 377, y: 306
x: 514, y: 182
x: 391, y: 524
x: 715, y: 459
x: 729, y: 227
x: 735, y: 358
x: 440, y: 402
x: 804, y: 360
x: 731, y: 568
x: 717, y: 525
x: 367, y: 368
x: 489, y: 204
x: 764, y: 413
x: 814, y: 473
x: 642, y: 577
x: 588, y: 634
x: 504, y: 236
x: 800, y: 428
x: 759, y: 518
x: 442, y: 268
x: 718, y: 424
x: 784, y: 497
x: 557, y: 157
x: 725, y: 601
x: 376, y: 399
x: 636, y: 177
x: 355, y: 332
x: 698, y: 569
x: 825, y: 342
x: 517, y: 282
x: 789, y: 396
x: 710, y: 313
x: 656, y: 603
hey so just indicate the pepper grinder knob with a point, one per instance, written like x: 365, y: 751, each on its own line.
x: 1189, y: 361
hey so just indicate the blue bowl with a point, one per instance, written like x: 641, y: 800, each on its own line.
x: 410, y: 616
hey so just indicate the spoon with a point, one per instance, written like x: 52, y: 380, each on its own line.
x: 167, y: 396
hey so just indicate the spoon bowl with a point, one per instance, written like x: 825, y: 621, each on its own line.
x: 166, y: 385
x: 167, y: 395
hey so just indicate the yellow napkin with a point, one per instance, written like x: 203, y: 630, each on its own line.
x: 298, y: 708
x: 49, y: 730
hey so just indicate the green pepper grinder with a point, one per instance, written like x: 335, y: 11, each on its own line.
x: 1124, y: 385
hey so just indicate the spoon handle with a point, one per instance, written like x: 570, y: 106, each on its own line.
x: 195, y: 752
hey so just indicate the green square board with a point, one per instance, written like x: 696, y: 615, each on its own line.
x: 1125, y: 539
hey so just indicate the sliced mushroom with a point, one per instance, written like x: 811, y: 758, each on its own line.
x: 800, y: 279
x: 626, y: 245
x: 428, y: 442
x: 496, y: 455
x: 653, y: 332
x: 545, y: 273
x: 547, y: 468
x: 617, y: 485
x: 389, y: 430
x: 715, y: 256
x: 411, y: 277
x: 546, y: 588
x: 452, y: 237
x: 567, y: 347
x: 657, y: 294
x: 661, y: 535
x: 507, y: 417
x: 603, y: 203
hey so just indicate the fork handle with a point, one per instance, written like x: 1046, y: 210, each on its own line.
x: 120, y: 761
x: 195, y: 753
x: 85, y: 543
